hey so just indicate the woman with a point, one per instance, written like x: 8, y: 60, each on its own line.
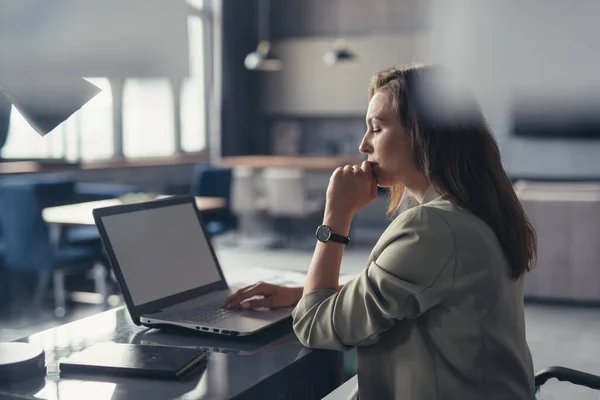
x: 438, y: 312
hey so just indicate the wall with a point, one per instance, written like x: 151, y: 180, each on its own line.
x: 319, y: 18
x: 499, y: 49
x: 329, y: 103
x: 306, y: 86
x: 502, y: 49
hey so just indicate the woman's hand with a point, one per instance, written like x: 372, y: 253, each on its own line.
x: 273, y: 296
x: 350, y: 189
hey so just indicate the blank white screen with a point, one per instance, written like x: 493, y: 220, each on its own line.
x: 161, y: 252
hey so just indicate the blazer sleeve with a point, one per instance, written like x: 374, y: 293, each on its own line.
x: 411, y: 274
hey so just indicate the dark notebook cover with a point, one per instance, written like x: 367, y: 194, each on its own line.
x: 134, y: 360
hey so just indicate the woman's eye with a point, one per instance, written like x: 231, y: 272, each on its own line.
x: 376, y: 130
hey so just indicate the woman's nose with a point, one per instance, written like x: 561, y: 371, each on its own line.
x: 365, y: 147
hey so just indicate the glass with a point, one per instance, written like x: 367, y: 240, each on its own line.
x: 148, y: 117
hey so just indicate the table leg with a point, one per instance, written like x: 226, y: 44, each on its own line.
x: 60, y: 300
x: 100, y: 286
x: 56, y: 232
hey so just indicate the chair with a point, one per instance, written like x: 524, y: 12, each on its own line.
x: 51, y: 189
x: 209, y: 181
x: 288, y: 200
x: 56, y: 189
x: 568, y: 375
x: 246, y: 202
x: 28, y: 248
x: 348, y: 389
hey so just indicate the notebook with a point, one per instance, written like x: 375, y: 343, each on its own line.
x: 133, y: 360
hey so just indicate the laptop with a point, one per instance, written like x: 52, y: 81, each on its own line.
x: 168, y: 272
x: 177, y: 337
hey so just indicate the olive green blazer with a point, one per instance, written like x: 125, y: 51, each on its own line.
x: 434, y: 315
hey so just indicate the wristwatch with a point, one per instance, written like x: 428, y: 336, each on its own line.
x: 324, y: 235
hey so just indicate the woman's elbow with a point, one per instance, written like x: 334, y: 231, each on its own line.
x: 313, y: 336
x: 302, y: 330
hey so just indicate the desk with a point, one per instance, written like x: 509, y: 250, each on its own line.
x: 61, y: 218
x: 81, y: 213
x: 321, y: 163
x: 269, y: 365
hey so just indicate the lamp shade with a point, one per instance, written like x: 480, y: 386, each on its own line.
x: 262, y: 59
x: 339, y: 55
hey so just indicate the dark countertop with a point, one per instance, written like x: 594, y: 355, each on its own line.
x: 271, y: 364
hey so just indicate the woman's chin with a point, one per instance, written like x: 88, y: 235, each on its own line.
x: 383, y: 184
x: 383, y: 180
x: 378, y: 180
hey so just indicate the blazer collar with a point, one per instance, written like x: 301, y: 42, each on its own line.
x: 430, y: 194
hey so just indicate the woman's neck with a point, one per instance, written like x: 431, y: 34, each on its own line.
x: 418, y: 187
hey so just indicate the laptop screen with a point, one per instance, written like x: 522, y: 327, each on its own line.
x: 161, y: 251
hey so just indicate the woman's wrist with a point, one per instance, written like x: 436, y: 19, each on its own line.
x: 338, y: 223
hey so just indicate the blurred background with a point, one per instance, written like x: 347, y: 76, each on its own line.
x: 256, y: 102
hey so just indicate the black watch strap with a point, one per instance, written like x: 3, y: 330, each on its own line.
x: 339, y: 238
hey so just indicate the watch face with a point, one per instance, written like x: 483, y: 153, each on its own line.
x: 323, y: 233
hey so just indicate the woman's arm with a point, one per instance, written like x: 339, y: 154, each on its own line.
x: 406, y: 279
x: 324, y: 270
x: 350, y: 189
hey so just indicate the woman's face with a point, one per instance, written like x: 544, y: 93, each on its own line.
x: 386, y: 144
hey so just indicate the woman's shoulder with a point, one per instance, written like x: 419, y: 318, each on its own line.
x: 420, y: 225
x: 436, y: 220
x: 418, y: 231
x: 459, y: 220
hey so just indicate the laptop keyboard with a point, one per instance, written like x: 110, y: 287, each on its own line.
x: 206, y: 314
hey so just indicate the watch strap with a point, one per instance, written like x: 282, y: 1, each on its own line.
x: 339, y: 238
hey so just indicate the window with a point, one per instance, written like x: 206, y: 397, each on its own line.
x: 193, y: 93
x: 148, y: 113
x: 91, y: 134
x: 148, y: 116
x: 148, y: 120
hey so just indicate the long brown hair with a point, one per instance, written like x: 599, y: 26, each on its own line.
x: 453, y: 147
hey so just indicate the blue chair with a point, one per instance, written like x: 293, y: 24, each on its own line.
x: 28, y: 246
x: 209, y: 181
x: 56, y: 189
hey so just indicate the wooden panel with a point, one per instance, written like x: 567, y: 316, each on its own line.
x: 304, y: 162
x: 31, y: 166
